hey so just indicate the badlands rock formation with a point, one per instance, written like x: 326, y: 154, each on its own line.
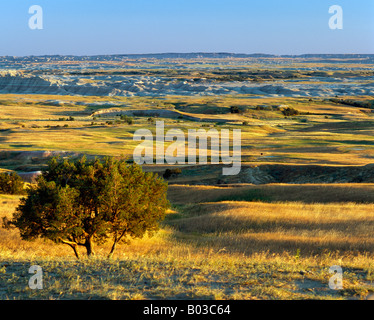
x: 146, y: 86
x: 169, y: 74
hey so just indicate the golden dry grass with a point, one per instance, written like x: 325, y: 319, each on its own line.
x: 221, y: 250
x: 283, y: 227
x: 344, y: 137
x: 215, y: 245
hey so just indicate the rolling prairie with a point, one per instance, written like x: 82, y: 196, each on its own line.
x: 303, y: 201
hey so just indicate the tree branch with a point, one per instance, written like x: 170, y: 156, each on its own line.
x: 72, y: 244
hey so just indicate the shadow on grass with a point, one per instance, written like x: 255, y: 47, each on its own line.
x: 306, y: 193
x: 202, y: 226
x: 253, y: 244
x: 21, y: 145
x: 247, y: 195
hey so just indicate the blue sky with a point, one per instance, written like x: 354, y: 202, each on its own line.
x: 89, y: 27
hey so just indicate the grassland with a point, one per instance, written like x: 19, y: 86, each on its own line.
x: 324, y: 132
x: 229, y: 241
x: 210, y: 250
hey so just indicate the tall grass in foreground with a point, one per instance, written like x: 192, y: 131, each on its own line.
x: 226, y: 250
x: 250, y: 227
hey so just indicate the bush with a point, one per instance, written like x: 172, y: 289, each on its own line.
x: 265, y: 108
x: 290, y: 112
x: 235, y: 109
x: 130, y: 120
x: 127, y: 119
x: 11, y: 183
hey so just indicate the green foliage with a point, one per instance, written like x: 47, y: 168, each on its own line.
x: 11, y: 183
x: 81, y: 202
x: 66, y: 119
x: 127, y: 119
x: 264, y: 108
x: 235, y: 109
x: 290, y: 112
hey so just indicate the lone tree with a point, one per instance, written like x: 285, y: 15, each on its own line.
x: 83, y: 202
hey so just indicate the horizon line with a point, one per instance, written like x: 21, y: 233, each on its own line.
x: 191, y: 53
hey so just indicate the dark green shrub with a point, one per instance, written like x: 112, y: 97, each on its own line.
x: 11, y: 183
x: 290, y: 112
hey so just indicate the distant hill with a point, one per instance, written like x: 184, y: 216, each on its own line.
x: 192, y: 55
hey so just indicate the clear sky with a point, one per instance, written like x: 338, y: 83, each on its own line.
x: 89, y: 27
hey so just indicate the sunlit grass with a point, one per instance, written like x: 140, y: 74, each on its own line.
x: 30, y: 123
x: 252, y: 242
x: 216, y: 252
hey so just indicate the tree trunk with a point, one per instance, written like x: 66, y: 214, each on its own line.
x: 112, y: 250
x: 89, y: 247
x: 75, y: 250
x: 115, y: 241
